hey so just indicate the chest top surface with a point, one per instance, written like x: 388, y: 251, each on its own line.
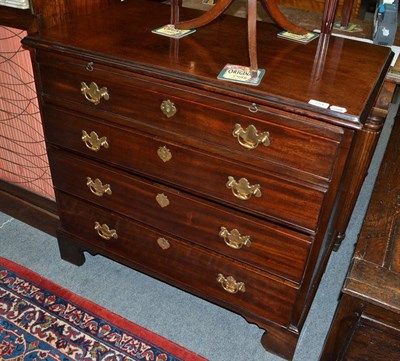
x: 340, y: 72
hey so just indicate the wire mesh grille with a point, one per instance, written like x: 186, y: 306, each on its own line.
x: 23, y: 159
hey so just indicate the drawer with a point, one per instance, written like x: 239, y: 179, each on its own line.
x: 232, y: 183
x: 194, y: 268
x: 267, y: 136
x: 268, y: 247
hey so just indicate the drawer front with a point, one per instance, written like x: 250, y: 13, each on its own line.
x: 266, y: 195
x: 268, y: 247
x: 178, y: 261
x: 267, y: 136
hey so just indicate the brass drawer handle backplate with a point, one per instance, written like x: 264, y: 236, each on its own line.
x: 242, y: 189
x: 250, y: 138
x: 164, y: 154
x: 93, y: 94
x: 97, y: 187
x: 163, y: 243
x: 234, y: 239
x: 93, y: 142
x: 162, y: 200
x: 104, y: 231
x: 230, y: 285
x: 168, y: 108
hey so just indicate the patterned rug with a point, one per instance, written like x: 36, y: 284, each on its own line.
x: 40, y: 320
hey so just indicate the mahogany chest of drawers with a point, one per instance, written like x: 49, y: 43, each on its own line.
x: 234, y: 193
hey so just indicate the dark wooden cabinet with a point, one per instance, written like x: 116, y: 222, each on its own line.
x: 367, y: 321
x: 234, y: 193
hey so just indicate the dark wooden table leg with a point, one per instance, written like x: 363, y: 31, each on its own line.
x: 175, y: 6
x: 329, y: 16
x: 206, y: 18
x: 269, y: 5
x: 346, y: 12
x: 252, y: 36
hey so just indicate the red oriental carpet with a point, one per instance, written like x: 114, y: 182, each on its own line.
x: 40, y: 320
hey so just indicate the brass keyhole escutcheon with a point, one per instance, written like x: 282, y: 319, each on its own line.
x: 242, y: 189
x: 104, y: 231
x: 97, y: 187
x: 168, y: 108
x: 229, y: 284
x: 93, y: 94
x: 234, y: 239
x: 250, y: 138
x: 90, y: 66
x: 164, y: 154
x: 93, y: 141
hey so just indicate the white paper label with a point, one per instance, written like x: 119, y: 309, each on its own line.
x: 319, y: 104
x: 338, y: 109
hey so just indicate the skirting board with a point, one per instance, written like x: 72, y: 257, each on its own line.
x: 29, y: 207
